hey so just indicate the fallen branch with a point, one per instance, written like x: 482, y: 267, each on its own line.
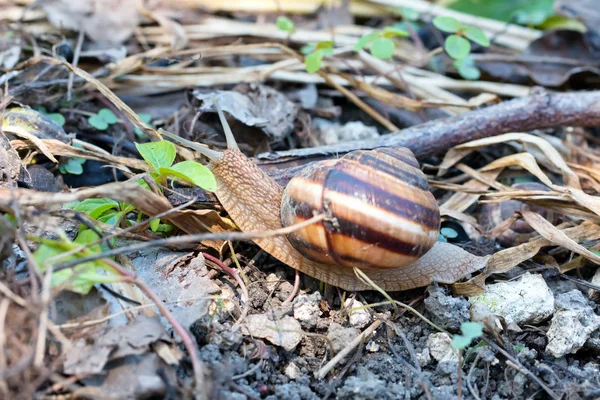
x: 539, y: 110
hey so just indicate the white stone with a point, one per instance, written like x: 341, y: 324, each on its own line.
x: 572, y: 324
x: 527, y: 300
x: 359, y: 317
x: 292, y: 371
x: 285, y: 332
x: 372, y: 347
x: 440, y: 347
x: 307, y: 309
x: 424, y: 357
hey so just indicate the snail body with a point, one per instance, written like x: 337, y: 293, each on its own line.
x: 382, y: 218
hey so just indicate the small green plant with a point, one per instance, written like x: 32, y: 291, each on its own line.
x: 160, y: 156
x: 458, y: 45
x: 73, y: 165
x: 147, y: 118
x: 285, y: 24
x: 381, y: 43
x: 56, y: 117
x: 470, y: 331
x: 315, y: 54
x: 83, y: 277
x: 103, y: 119
x: 447, y: 233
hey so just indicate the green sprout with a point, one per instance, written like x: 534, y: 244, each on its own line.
x: 470, y: 331
x: 315, y: 54
x: 381, y: 43
x: 103, y: 119
x: 286, y: 25
x: 458, y: 45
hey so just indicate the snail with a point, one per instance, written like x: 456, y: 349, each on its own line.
x: 382, y: 220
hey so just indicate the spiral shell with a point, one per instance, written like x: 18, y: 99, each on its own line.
x: 382, y: 212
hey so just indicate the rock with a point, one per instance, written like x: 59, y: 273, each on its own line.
x: 285, y: 332
x: 307, y: 309
x: 366, y: 387
x: 572, y: 324
x: 595, y: 294
x: 440, y: 347
x: 525, y: 301
x: 424, y: 357
x: 292, y: 371
x: 446, y: 311
x: 358, y: 318
x: 340, y: 336
x: 372, y: 346
x: 332, y: 133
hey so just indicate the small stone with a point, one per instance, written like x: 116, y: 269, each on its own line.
x: 292, y: 371
x: 372, y: 347
x: 571, y: 325
x: 528, y: 300
x: 285, y: 332
x: 359, y: 317
x: 307, y: 309
x: 332, y: 133
x: 424, y: 357
x: 340, y: 336
x: 440, y: 347
x: 446, y: 311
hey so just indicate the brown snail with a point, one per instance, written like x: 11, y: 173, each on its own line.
x: 385, y: 220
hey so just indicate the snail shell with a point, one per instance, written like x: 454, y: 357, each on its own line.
x: 382, y: 214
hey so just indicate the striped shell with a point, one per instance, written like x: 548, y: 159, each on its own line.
x: 384, y: 215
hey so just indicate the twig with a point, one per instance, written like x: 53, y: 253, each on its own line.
x: 294, y: 289
x: 537, y: 111
x: 189, y: 239
x: 346, y: 350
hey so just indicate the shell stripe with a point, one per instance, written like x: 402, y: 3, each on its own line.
x: 319, y: 253
x: 375, y: 197
x: 362, y: 232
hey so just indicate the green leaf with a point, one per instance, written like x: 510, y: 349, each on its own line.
x: 96, y: 207
x: 74, y: 166
x: 447, y: 24
x: 285, y: 24
x: 449, y: 233
x: 192, y: 172
x: 154, y: 224
x: 98, y: 122
x: 147, y: 118
x: 382, y: 48
x: 470, y: 331
x: 158, y: 154
x: 467, y: 69
x: 409, y: 13
x: 390, y: 32
x: 502, y: 10
x: 457, y: 47
x: 313, y: 61
x: 108, y: 116
x: 165, y: 228
x: 365, y: 40
x: 476, y: 35
x: 58, y: 118
x: 82, y: 277
x: 325, y: 44
x: 307, y: 49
